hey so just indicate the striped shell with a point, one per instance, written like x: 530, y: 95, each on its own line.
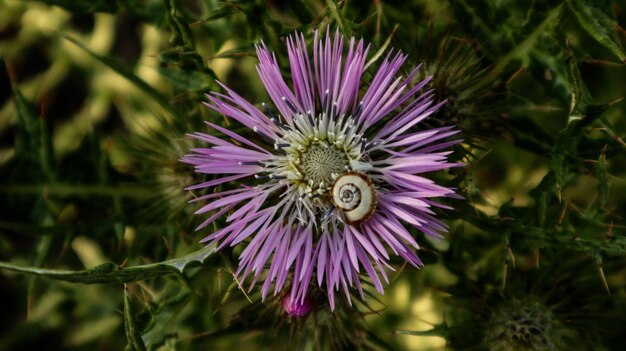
x: 354, y: 194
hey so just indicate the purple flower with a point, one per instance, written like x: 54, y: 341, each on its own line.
x: 330, y: 183
x: 296, y: 308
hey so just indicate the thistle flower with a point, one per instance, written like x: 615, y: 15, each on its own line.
x: 333, y: 184
x: 523, y: 325
x: 462, y: 76
x: 296, y: 308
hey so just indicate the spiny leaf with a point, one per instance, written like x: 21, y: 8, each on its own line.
x: 133, y: 336
x: 609, y: 129
x: 599, y: 25
x: 615, y: 246
x: 181, y: 34
x: 545, y: 61
x: 111, y: 273
x: 580, y: 96
x: 602, y: 175
x: 159, y: 331
x: 568, y: 139
x: 517, y: 40
x: 525, y: 46
x: 334, y: 11
x: 226, y: 10
x: 542, y: 194
x: 244, y: 50
x: 383, y: 48
x: 564, y: 143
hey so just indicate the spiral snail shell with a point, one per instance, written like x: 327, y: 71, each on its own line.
x: 355, y: 195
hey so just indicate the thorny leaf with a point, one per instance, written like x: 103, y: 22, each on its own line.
x: 599, y: 24
x: 108, y: 273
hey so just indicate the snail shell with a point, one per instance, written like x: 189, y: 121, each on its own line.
x: 355, y: 195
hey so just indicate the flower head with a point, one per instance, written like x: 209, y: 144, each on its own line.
x: 296, y: 308
x: 330, y: 184
x: 523, y: 325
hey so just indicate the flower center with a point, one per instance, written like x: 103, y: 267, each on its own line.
x: 321, y: 163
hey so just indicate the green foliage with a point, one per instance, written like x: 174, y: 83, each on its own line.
x: 133, y: 335
x: 111, y: 273
x: 597, y: 20
x: 95, y: 101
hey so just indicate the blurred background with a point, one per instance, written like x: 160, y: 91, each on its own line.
x: 96, y: 97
